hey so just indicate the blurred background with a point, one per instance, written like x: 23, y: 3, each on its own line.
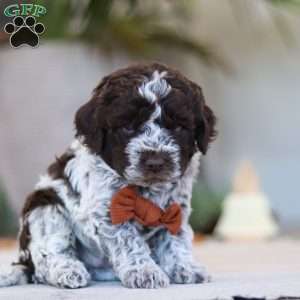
x: 245, y: 55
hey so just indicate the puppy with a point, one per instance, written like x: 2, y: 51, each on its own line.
x: 145, y: 127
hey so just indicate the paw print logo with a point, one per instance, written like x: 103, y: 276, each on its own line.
x: 24, y: 31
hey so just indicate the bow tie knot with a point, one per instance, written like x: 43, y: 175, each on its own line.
x: 127, y: 205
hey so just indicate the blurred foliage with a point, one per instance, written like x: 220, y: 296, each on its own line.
x: 290, y: 3
x: 146, y: 28
x: 206, y: 209
x: 8, y: 221
x: 140, y: 28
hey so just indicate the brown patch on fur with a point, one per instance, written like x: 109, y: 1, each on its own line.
x: 24, y: 240
x: 56, y: 169
x: 24, y: 237
x: 41, y: 198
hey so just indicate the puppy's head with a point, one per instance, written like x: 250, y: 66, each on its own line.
x: 146, y: 122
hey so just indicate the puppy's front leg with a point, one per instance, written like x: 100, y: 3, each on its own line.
x: 52, y: 248
x: 174, y: 255
x: 130, y: 257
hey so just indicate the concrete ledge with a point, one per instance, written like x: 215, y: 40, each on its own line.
x: 259, y: 270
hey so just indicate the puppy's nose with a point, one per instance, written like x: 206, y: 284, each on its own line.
x: 154, y: 164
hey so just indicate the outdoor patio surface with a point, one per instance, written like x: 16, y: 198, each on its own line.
x: 259, y: 270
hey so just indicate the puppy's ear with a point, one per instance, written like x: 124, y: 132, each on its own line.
x: 88, y: 126
x: 89, y: 119
x: 85, y: 119
x: 205, y: 123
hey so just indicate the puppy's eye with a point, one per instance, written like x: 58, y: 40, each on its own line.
x: 178, y: 129
x: 127, y: 130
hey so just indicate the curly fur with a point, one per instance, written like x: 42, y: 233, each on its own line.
x: 66, y: 235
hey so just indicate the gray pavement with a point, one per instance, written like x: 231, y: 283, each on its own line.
x: 252, y: 269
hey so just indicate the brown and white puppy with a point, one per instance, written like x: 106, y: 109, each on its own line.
x: 144, y: 125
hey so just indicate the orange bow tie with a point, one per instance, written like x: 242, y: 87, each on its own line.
x: 127, y: 205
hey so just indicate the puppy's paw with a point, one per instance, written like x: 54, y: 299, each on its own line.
x: 147, y: 276
x: 188, y: 273
x: 72, y: 276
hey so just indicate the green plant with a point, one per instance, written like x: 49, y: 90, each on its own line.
x: 286, y: 3
x: 8, y: 222
x: 206, y: 209
x: 140, y: 28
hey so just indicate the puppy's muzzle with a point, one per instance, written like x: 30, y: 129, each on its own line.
x: 156, y: 165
